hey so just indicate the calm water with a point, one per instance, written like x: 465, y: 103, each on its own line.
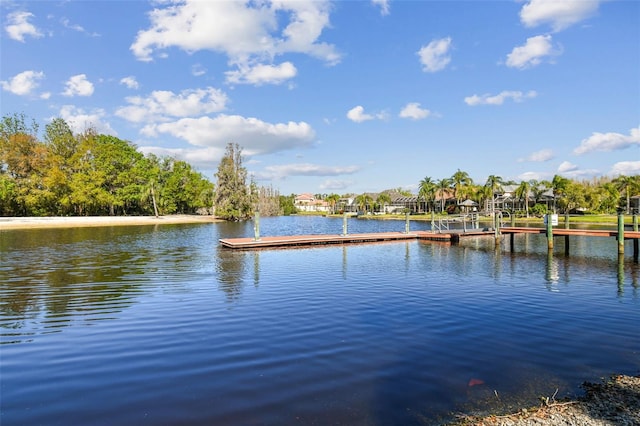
x: 158, y: 325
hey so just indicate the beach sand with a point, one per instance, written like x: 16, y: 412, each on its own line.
x: 89, y: 221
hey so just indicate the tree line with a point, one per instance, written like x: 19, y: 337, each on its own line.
x: 90, y: 174
x: 601, y: 195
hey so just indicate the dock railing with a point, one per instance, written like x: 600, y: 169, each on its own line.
x: 467, y: 220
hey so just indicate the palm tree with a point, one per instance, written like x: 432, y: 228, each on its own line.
x: 625, y: 185
x: 332, y: 199
x: 363, y: 201
x: 494, y: 183
x: 460, y: 180
x: 443, y: 186
x: 559, y: 186
x: 383, y: 199
x: 427, y: 190
x: 522, y: 192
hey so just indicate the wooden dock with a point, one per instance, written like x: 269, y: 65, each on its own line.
x: 326, y: 239
x: 570, y: 232
x: 448, y: 237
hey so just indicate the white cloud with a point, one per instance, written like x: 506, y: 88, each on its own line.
x: 130, y: 82
x: 413, y: 111
x: 527, y: 176
x: 532, y: 53
x: 161, y: 105
x: 254, y: 135
x: 305, y: 169
x: 79, y: 120
x: 627, y: 168
x: 24, y: 83
x: 539, y: 156
x: 435, y: 56
x: 358, y: 115
x: 566, y: 166
x: 335, y: 185
x: 201, y: 157
x: 75, y: 27
x: 18, y: 26
x: 384, y: 6
x: 198, y: 70
x: 249, y: 33
x: 78, y: 85
x: 609, y: 141
x: 499, y: 99
x: 262, y: 74
x: 558, y: 14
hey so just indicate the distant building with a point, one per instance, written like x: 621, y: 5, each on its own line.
x: 308, y: 203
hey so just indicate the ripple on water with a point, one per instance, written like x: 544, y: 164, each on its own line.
x: 160, y: 325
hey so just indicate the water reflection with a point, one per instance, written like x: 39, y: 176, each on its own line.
x: 51, y: 278
x: 552, y: 274
x: 231, y: 268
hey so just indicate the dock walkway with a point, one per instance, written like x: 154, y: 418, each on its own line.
x: 325, y: 239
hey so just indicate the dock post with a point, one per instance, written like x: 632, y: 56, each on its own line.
x: 620, y: 233
x: 256, y: 226
x: 512, y: 240
x: 566, y: 237
x: 344, y: 224
x: 635, y: 240
x: 433, y: 221
x: 549, y: 224
x: 496, y: 224
x: 406, y: 223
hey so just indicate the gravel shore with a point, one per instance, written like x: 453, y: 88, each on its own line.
x: 612, y: 402
x: 85, y: 221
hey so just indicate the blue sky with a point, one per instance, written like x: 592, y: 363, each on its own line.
x: 344, y: 97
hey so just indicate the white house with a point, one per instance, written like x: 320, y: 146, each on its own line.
x: 308, y: 203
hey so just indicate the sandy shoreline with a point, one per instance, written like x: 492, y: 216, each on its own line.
x: 92, y: 221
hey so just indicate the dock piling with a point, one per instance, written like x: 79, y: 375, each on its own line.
x: 406, y: 223
x: 256, y: 226
x: 549, y: 223
x: 344, y: 225
x: 635, y: 241
x: 620, y: 233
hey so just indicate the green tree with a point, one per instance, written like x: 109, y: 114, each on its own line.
x: 493, y: 184
x: 333, y: 199
x: 522, y: 193
x: 62, y: 146
x: 23, y: 162
x: 460, y: 180
x: 383, y: 200
x: 364, y: 201
x: 626, y: 185
x: 427, y: 191
x: 232, y: 198
x: 287, y: 204
x: 559, y: 186
x: 443, y: 187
